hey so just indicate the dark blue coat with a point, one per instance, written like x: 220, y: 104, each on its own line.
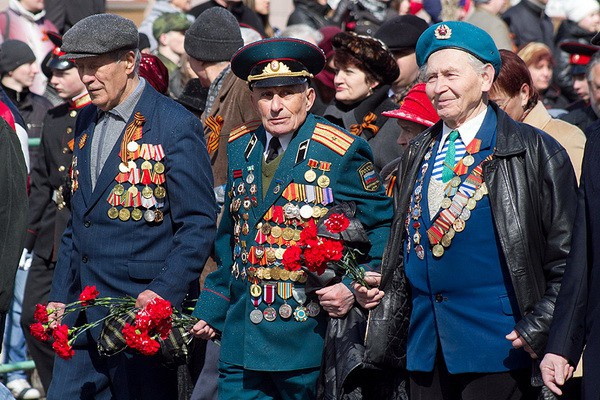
x: 127, y: 257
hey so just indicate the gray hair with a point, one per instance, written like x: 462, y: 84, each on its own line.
x: 119, y: 54
x: 304, y: 32
x: 477, y: 65
x: 590, y: 67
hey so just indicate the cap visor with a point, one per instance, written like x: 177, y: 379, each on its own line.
x: 279, y: 81
x: 578, y: 69
x: 62, y: 65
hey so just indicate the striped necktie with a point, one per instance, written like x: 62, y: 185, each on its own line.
x: 445, y: 160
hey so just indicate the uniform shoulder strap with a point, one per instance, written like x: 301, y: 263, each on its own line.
x: 243, y: 129
x: 332, y: 138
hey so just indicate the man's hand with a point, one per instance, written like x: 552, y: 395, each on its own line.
x: 336, y: 300
x: 144, y: 297
x: 555, y: 371
x: 55, y: 313
x: 518, y: 342
x: 369, y: 298
x: 203, y: 331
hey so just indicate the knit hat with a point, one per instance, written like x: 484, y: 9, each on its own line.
x: 578, y: 10
x: 13, y: 54
x: 170, y: 22
x: 214, y: 36
x: 99, y: 34
x: 411, y: 28
x: 416, y: 107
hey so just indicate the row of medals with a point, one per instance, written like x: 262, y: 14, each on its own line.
x: 293, y: 214
x: 154, y: 195
x: 459, y: 223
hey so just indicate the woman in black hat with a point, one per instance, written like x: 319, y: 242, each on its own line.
x: 365, y: 69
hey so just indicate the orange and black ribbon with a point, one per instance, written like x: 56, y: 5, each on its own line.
x: 214, y: 125
x: 368, y: 123
x: 132, y: 132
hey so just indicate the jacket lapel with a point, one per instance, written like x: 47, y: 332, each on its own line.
x: 83, y: 160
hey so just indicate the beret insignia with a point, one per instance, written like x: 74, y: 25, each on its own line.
x: 443, y: 32
x: 241, y: 130
x: 368, y: 177
x: 332, y: 138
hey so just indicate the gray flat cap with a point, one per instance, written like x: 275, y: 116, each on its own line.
x: 99, y: 34
x: 214, y: 36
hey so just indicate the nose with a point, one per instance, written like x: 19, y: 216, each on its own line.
x: 276, y: 104
x: 34, y: 68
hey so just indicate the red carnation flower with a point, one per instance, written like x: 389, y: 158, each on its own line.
x: 334, y: 249
x: 88, y: 295
x: 38, y: 331
x: 159, y: 309
x: 308, y: 236
x: 336, y: 223
x: 61, y: 333
x: 41, y: 313
x: 63, y: 349
x: 291, y: 258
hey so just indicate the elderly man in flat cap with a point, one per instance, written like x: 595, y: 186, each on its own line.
x: 271, y: 323
x: 481, y: 235
x: 143, y: 209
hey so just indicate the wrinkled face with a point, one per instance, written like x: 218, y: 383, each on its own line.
x: 183, y: 5
x: 262, y: 7
x: 514, y: 106
x: 33, y: 6
x: 67, y: 83
x: 199, y: 67
x: 25, y: 74
x: 409, y: 70
x: 454, y: 87
x: 174, y: 41
x: 590, y: 22
x: 283, y: 109
x: 581, y: 87
x: 106, y: 78
x: 594, y: 85
x: 408, y: 131
x: 541, y: 74
x: 351, y: 84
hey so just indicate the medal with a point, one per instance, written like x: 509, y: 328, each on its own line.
x: 119, y: 189
x: 316, y: 212
x: 279, y: 253
x: 132, y: 146
x: 124, y: 214
x: 123, y: 168
x: 300, y: 314
x: 160, y: 192
x: 276, y: 232
x: 438, y: 250
x: 313, y: 308
x: 270, y: 314
x: 285, y: 311
x: 255, y: 290
x: 113, y: 213
x: 256, y: 316
x: 136, y: 214
x: 159, y: 167
x: 458, y: 225
x: 446, y: 203
x: 250, y: 176
x: 420, y: 251
x: 147, y: 192
x: 284, y: 290
x: 149, y: 215
x: 323, y: 181
x: 468, y: 160
x: 306, y: 211
x: 158, y: 216
x: 311, y: 175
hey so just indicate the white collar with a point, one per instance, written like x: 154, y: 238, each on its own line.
x: 284, y: 140
x: 467, y: 131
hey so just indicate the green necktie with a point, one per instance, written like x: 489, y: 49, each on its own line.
x: 450, y: 161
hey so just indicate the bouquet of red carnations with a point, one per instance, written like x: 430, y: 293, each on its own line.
x: 330, y: 249
x: 145, y: 330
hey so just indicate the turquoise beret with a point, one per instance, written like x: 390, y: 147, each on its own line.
x: 461, y: 36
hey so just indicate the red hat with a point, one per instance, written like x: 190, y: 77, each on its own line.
x: 416, y: 107
x: 155, y: 72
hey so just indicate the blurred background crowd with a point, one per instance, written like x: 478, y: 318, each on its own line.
x: 371, y: 86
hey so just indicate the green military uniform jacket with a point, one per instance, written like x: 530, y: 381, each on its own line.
x: 249, y: 256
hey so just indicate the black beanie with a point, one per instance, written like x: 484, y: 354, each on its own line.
x: 214, y: 36
x: 13, y: 54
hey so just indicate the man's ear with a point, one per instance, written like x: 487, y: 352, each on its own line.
x: 310, y: 98
x: 487, y: 77
x: 130, y: 61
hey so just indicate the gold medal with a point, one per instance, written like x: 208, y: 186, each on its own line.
x: 160, y: 192
x: 446, y: 241
x: 147, y: 192
x: 484, y: 188
x: 113, y: 213
x: 119, y: 189
x: 124, y: 214
x: 323, y: 181
x: 296, y: 237
x: 294, y: 276
x: 446, y: 203
x: 288, y: 234
x: 279, y: 253
x: 324, y: 212
x: 266, y: 228
x: 302, y: 278
x: 284, y: 274
x: 159, y: 167
x: 276, y: 232
x: 455, y: 182
x: 146, y: 165
x: 133, y: 190
x: 468, y: 160
x: 266, y: 274
x: 471, y: 203
x: 310, y: 176
x: 275, y: 273
x: 316, y: 212
x: 478, y: 195
x: 255, y: 290
x: 458, y: 225
x: 136, y: 214
x: 438, y: 250
x: 451, y: 232
x: 270, y: 254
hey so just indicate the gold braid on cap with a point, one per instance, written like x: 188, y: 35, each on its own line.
x: 276, y: 69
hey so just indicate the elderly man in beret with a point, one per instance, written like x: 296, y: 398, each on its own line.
x: 143, y: 209
x: 484, y: 210
x: 271, y: 323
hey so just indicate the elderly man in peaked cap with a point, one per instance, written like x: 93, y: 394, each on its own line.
x: 143, y: 209
x: 271, y: 323
x: 483, y: 228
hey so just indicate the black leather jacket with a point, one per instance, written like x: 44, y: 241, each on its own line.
x: 532, y: 191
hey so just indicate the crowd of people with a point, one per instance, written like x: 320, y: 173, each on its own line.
x: 210, y: 157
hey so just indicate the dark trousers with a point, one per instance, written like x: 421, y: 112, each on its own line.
x: 37, y: 289
x: 439, y: 384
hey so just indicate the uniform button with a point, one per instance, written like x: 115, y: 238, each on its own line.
x: 87, y: 224
x: 65, y: 149
x: 61, y: 168
x: 69, y: 130
x: 73, y: 113
x: 84, y: 259
x: 439, y: 298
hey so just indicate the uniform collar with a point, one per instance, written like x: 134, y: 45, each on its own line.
x: 467, y: 131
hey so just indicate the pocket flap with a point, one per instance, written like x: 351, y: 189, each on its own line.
x: 145, y: 269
